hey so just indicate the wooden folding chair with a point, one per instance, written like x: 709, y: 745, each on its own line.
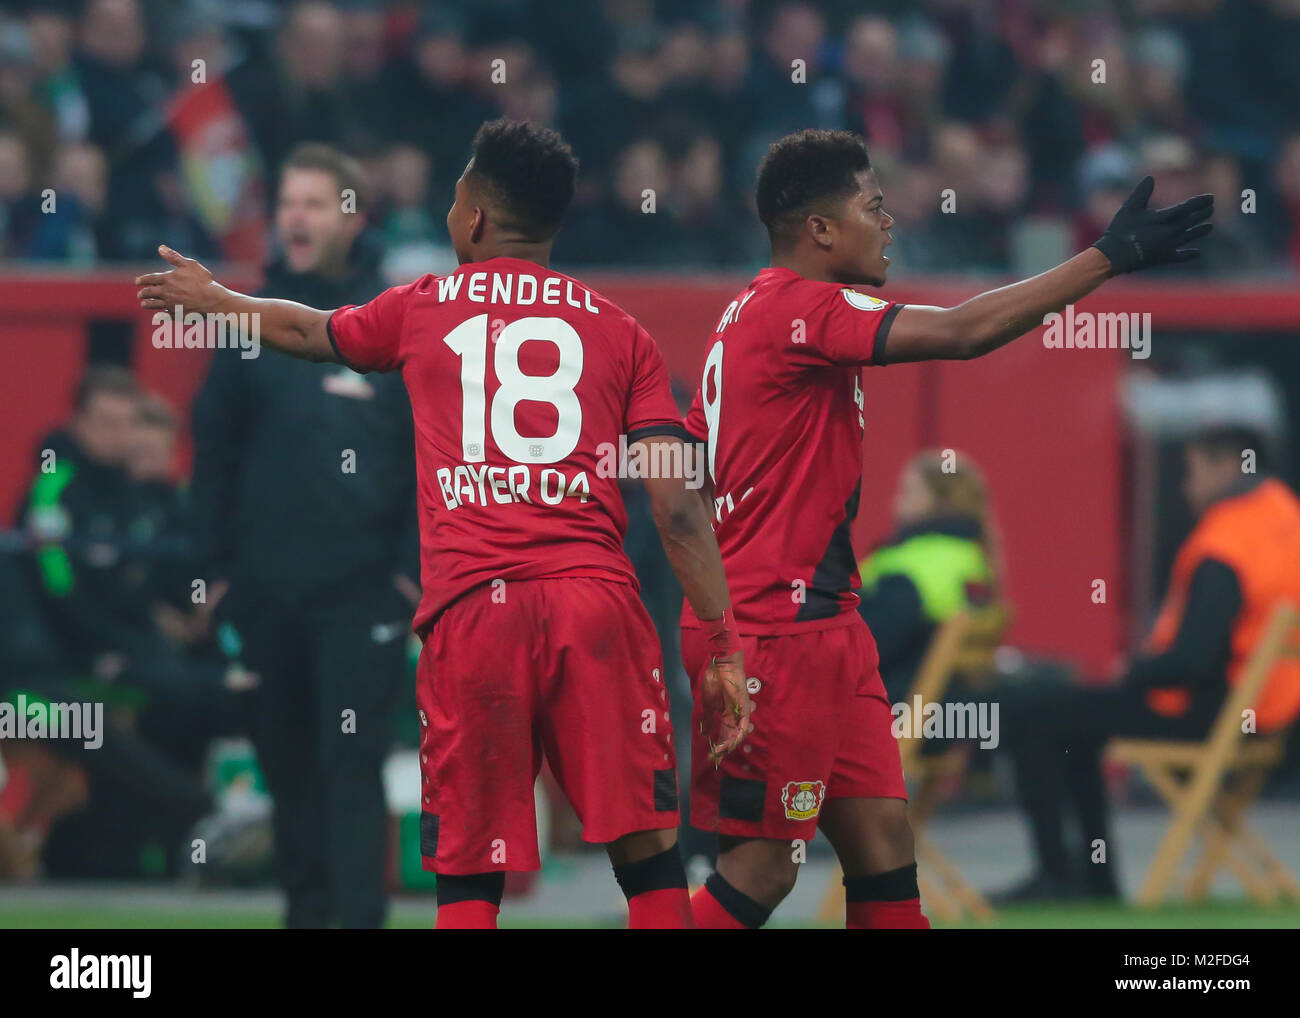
x: 1209, y: 785
x: 964, y: 645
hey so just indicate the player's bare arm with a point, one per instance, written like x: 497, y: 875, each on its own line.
x: 1138, y: 238
x: 291, y: 328
x: 683, y: 522
x: 705, y: 490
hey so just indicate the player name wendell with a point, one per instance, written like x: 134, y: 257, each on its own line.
x: 518, y: 288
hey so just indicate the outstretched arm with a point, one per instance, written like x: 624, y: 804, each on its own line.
x: 291, y: 328
x: 1138, y: 238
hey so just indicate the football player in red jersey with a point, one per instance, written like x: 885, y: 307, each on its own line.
x: 781, y: 408
x: 525, y: 385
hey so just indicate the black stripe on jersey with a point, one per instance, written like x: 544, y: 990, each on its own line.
x: 665, y: 786
x: 334, y: 343
x: 429, y: 834
x: 742, y: 799
x: 670, y: 430
x: 833, y: 572
x: 878, y: 351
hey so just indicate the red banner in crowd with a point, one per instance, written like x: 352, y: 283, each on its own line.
x: 221, y: 170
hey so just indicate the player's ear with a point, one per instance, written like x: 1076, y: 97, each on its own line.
x: 477, y: 225
x: 819, y: 228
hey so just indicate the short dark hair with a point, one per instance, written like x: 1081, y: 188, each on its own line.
x: 347, y: 172
x: 1229, y: 441
x: 805, y: 168
x: 155, y: 412
x: 106, y: 380
x: 529, y: 173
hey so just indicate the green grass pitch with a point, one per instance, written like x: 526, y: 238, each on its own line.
x: 1215, y: 915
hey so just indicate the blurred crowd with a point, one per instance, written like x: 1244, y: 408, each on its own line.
x: 124, y: 123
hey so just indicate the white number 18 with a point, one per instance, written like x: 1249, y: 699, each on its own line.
x: 469, y: 341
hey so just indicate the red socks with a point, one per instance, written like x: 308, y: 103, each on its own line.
x: 471, y: 914
x: 720, y: 906
x: 710, y: 915
x: 884, y: 901
x: 657, y: 899
x: 655, y: 888
x: 885, y: 915
x: 665, y: 909
x: 656, y: 893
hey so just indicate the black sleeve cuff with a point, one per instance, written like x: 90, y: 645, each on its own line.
x: 878, y: 352
x: 692, y: 435
x: 334, y: 345
x: 671, y: 430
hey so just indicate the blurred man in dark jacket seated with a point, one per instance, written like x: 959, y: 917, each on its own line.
x: 81, y: 808
x: 106, y: 560
x: 1237, y: 565
x: 111, y: 547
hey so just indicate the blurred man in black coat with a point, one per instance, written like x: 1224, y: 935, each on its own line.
x: 305, y: 498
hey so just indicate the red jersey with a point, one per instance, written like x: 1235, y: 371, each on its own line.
x: 781, y: 408
x: 522, y: 381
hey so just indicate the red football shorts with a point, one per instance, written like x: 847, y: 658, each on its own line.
x: 567, y: 667
x: 822, y: 729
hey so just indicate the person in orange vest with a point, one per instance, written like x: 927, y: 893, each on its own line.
x: 1240, y: 561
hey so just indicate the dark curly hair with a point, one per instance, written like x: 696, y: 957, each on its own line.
x: 805, y: 168
x: 528, y: 172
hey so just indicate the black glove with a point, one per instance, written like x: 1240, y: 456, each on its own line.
x: 1139, y: 237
